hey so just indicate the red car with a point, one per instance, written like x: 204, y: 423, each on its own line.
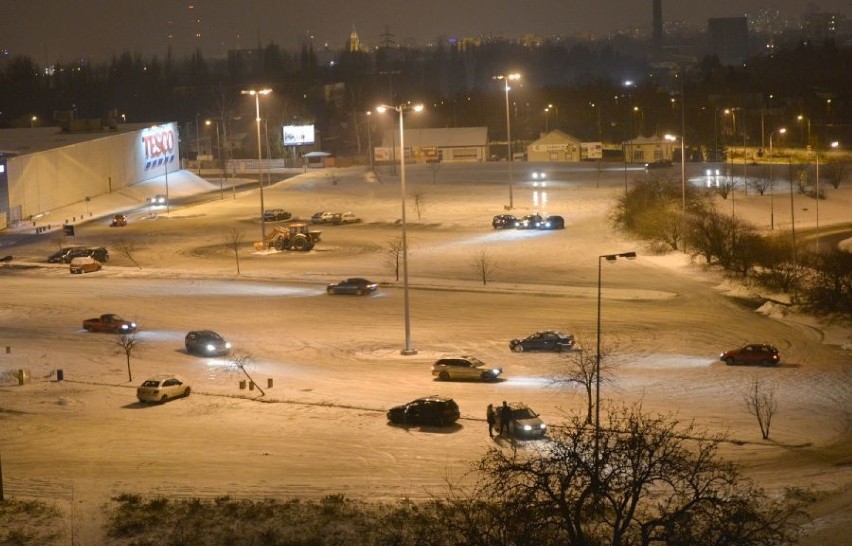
x: 763, y: 354
x: 109, y: 323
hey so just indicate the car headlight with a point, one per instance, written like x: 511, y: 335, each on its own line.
x: 211, y: 347
x: 227, y: 345
x: 496, y: 371
x: 527, y: 428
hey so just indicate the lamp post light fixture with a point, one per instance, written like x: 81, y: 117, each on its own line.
x: 408, y: 349
x: 506, y: 78
x: 256, y: 93
x: 800, y: 118
x: 208, y: 123
x: 780, y: 131
x: 610, y: 258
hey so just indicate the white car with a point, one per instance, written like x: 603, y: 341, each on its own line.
x: 161, y: 388
x: 322, y: 218
x: 345, y: 218
x: 464, y: 367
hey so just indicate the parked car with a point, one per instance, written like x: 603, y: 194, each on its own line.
x: 530, y: 221
x: 161, y: 388
x: 158, y: 200
x: 345, y: 218
x: 110, y: 323
x: 429, y: 410
x: 118, y: 220
x: 544, y: 340
x: 763, y: 354
x: 322, y: 218
x: 524, y: 423
x: 84, y: 264
x: 99, y: 253
x: 464, y: 367
x: 355, y: 285
x: 62, y: 256
x: 552, y: 222
x: 659, y: 164
x: 206, y: 343
x: 276, y: 215
x: 504, y: 221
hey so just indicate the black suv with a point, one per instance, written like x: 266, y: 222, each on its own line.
x: 65, y: 255
x: 429, y: 410
x: 61, y: 256
x: 530, y: 221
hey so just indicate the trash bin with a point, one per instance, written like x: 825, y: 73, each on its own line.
x: 269, y: 382
x: 251, y: 385
x: 60, y: 374
x: 242, y: 384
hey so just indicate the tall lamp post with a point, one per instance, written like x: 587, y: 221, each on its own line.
x: 256, y: 93
x: 780, y: 131
x: 610, y: 258
x: 218, y: 157
x: 402, y: 108
x: 506, y: 78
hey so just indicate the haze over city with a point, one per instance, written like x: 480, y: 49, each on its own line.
x: 54, y: 30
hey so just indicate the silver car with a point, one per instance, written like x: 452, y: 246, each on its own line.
x: 161, y: 388
x: 464, y: 367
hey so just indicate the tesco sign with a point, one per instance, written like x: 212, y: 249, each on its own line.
x: 159, y: 145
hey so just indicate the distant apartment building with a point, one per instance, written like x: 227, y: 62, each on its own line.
x: 728, y: 39
x: 822, y: 26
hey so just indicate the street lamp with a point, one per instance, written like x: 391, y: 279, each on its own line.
x: 32, y: 121
x: 402, y: 108
x: 801, y: 118
x: 256, y: 93
x: 780, y: 131
x: 610, y: 258
x: 207, y: 123
x: 833, y: 146
x: 506, y: 78
x: 547, y: 116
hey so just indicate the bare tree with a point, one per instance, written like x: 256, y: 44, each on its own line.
x: 760, y: 402
x: 235, y: 238
x: 393, y: 255
x: 127, y: 249
x: 241, y: 362
x: 127, y: 343
x: 639, y: 479
x: 419, y: 203
x: 759, y: 183
x: 835, y: 171
x: 582, y: 370
x: 434, y: 166
x: 484, y: 266
x: 725, y: 187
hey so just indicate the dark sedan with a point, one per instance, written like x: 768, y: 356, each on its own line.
x: 356, y: 286
x: 545, y: 340
x: 552, y: 222
x: 206, y: 343
x: 429, y: 410
x: 504, y: 221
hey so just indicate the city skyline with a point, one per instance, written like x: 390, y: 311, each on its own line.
x: 98, y: 31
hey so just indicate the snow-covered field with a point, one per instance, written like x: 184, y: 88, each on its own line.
x: 330, y: 367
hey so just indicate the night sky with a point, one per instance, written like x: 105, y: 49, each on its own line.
x: 50, y: 30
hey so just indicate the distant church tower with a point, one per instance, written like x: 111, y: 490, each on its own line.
x: 354, y: 41
x: 658, y: 24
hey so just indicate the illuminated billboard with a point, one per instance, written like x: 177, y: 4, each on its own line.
x: 297, y: 135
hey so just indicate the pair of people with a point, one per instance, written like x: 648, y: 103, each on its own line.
x: 505, y: 418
